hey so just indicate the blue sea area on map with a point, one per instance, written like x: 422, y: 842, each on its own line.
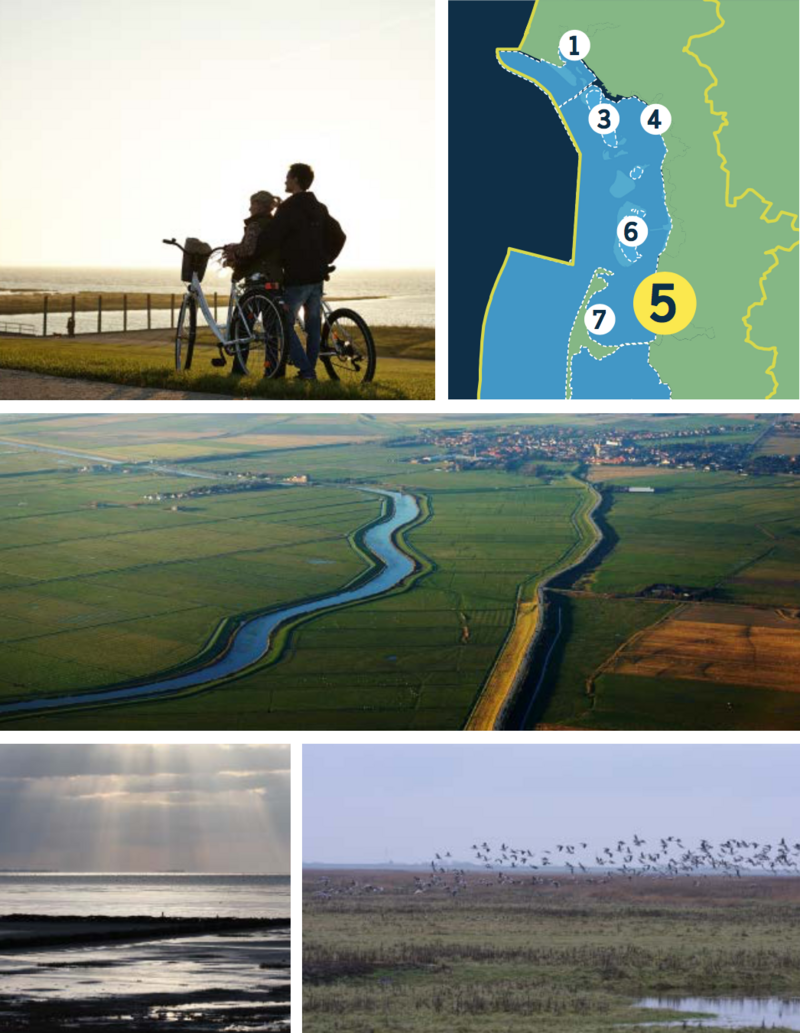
x: 536, y: 301
x: 563, y: 82
x: 625, y: 374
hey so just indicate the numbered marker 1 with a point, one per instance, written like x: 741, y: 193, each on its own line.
x: 599, y: 319
x: 664, y: 303
x: 604, y: 118
x: 655, y: 119
x: 632, y: 231
x: 574, y: 45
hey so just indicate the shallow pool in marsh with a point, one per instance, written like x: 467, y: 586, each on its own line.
x: 730, y: 1012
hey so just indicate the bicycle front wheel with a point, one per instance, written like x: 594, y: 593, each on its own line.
x: 257, y: 326
x: 186, y: 334
x: 348, y: 350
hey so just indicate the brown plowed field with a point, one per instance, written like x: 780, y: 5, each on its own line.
x: 733, y: 654
x: 724, y: 613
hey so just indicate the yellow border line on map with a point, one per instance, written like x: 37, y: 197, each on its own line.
x: 519, y: 251
x: 773, y: 251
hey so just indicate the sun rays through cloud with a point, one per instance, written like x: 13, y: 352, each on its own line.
x: 145, y: 808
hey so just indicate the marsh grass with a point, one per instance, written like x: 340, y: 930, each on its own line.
x: 566, y: 960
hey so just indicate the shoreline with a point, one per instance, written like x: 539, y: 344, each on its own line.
x: 23, y: 932
x: 512, y: 664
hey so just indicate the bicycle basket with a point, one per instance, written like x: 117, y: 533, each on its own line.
x: 195, y: 259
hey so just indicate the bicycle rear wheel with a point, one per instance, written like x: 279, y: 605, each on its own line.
x: 350, y: 349
x: 262, y: 350
x: 186, y: 334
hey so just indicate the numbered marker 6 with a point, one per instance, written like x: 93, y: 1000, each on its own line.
x: 604, y: 118
x: 574, y: 45
x: 599, y: 319
x: 655, y: 119
x: 632, y: 231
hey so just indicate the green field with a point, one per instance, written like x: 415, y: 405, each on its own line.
x: 737, y: 538
x: 93, y: 596
x: 568, y: 958
x: 405, y: 366
x: 99, y: 587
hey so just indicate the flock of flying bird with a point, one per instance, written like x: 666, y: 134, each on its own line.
x: 665, y: 857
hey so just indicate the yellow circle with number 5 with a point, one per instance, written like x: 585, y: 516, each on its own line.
x: 664, y: 303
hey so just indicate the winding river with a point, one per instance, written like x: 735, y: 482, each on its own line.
x: 252, y: 639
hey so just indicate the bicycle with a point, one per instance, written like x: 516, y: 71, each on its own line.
x: 257, y: 311
x: 347, y: 349
x: 254, y: 333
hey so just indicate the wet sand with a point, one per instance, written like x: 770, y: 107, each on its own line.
x: 21, y: 932
x: 138, y: 973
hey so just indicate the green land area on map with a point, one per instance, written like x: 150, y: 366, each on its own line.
x: 637, y: 49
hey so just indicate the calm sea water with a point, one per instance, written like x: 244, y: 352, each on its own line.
x: 407, y: 297
x: 243, y: 896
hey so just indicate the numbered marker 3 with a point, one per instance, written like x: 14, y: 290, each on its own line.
x: 599, y: 319
x: 655, y: 119
x: 604, y: 118
x: 632, y: 231
x: 574, y: 45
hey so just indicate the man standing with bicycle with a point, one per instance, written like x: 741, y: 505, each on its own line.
x: 308, y: 239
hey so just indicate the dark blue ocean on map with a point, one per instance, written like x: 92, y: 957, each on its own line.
x: 536, y: 301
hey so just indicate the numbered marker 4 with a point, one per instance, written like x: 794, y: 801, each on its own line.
x: 665, y: 303
x: 655, y: 119
x: 574, y: 45
x: 632, y: 231
x: 604, y: 118
x: 599, y: 319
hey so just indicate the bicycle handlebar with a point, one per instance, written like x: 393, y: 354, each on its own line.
x: 183, y: 249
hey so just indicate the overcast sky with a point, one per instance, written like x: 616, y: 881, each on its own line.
x: 145, y: 808
x: 366, y: 804
x: 122, y: 124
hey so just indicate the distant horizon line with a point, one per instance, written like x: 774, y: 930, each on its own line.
x: 161, y: 872
x: 171, y: 268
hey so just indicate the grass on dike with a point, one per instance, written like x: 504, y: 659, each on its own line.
x: 404, y: 370
x: 567, y: 960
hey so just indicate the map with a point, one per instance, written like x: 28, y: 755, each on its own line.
x: 672, y: 126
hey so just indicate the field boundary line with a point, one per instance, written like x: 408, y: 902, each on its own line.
x: 723, y: 116
x: 605, y: 666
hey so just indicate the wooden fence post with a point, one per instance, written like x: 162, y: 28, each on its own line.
x: 44, y: 316
x: 99, y: 313
x: 124, y: 313
x: 148, y: 311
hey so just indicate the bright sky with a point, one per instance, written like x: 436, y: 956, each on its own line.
x: 122, y: 124
x: 372, y: 804
x: 117, y: 808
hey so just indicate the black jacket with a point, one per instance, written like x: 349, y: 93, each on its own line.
x: 308, y: 238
